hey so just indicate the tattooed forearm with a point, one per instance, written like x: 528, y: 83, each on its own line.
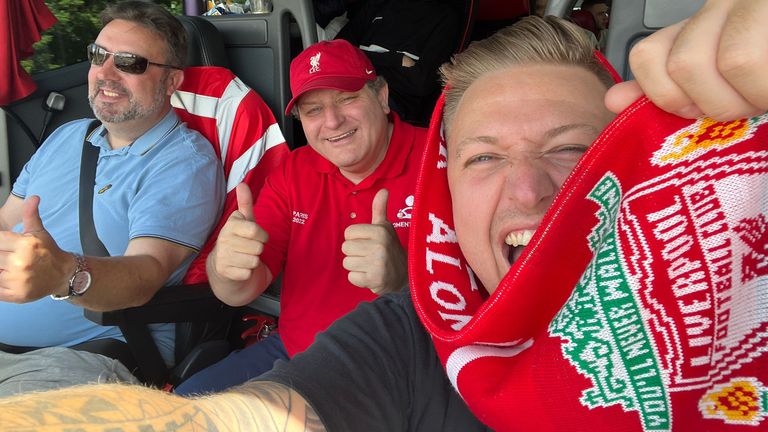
x: 114, y: 408
x: 104, y: 408
x: 266, y: 406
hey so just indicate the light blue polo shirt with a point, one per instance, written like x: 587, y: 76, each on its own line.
x: 168, y: 184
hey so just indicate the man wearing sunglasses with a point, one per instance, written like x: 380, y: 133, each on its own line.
x: 158, y: 190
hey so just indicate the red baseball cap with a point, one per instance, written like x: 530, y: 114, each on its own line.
x: 334, y: 64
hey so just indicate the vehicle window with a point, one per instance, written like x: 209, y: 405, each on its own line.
x: 78, y: 24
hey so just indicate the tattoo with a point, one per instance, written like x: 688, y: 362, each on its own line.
x: 110, y: 408
x: 268, y: 406
x: 261, y: 406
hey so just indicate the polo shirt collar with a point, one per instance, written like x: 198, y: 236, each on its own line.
x: 144, y: 143
x: 393, y: 164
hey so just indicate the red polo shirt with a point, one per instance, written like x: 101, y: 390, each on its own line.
x: 305, y: 206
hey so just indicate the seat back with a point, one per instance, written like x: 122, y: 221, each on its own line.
x: 260, y: 48
x: 205, y: 43
x: 633, y: 20
x: 242, y: 129
x: 248, y: 141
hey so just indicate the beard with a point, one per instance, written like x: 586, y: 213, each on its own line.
x: 109, y: 113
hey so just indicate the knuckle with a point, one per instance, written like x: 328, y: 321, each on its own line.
x: 665, y: 97
x: 681, y: 67
x: 739, y: 61
x: 251, y: 230
x: 745, y: 71
x: 349, y: 231
x: 345, y: 247
x: 640, y: 55
x: 355, y: 279
x: 222, y: 270
x: 236, y: 274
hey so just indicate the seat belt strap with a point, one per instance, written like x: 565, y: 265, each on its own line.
x: 89, y: 240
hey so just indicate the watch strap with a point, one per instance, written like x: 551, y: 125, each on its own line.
x: 82, y: 266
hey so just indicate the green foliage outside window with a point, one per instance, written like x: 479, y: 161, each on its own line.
x: 78, y: 25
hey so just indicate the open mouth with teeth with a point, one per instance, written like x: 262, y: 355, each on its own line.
x: 342, y: 136
x: 517, y: 241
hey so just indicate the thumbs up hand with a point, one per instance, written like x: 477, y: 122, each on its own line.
x: 31, y: 216
x: 240, y: 242
x: 244, y: 201
x: 32, y: 265
x: 373, y: 254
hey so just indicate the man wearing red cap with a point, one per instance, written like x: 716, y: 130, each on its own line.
x: 334, y: 219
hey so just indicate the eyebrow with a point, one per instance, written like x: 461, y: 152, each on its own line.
x: 482, y: 139
x: 314, y: 100
x: 550, y: 134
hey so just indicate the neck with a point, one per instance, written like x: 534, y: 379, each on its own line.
x: 123, y: 134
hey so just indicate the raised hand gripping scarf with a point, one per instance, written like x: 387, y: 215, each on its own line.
x: 641, y: 303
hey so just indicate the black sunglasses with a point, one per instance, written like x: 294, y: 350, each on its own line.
x: 124, y: 62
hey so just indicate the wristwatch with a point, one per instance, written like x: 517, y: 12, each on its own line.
x: 80, y: 280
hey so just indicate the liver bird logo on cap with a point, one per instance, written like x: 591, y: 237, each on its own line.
x: 314, y: 63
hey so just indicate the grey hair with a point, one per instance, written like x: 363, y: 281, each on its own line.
x: 533, y: 40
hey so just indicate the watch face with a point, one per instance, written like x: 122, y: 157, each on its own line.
x: 81, y: 282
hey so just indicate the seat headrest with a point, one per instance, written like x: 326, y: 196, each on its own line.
x: 206, y: 45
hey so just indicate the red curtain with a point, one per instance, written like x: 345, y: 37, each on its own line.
x: 21, y: 25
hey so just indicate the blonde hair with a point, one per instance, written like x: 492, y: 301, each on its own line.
x: 533, y: 40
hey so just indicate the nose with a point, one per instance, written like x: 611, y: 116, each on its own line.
x: 334, y: 117
x: 529, y: 186
x: 107, y: 70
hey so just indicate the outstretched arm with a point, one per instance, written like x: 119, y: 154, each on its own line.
x: 258, y: 406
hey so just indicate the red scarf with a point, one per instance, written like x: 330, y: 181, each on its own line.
x: 662, y: 229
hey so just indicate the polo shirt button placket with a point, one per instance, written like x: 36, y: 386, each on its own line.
x: 353, y: 215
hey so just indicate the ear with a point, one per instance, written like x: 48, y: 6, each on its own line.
x: 383, y: 98
x: 175, y: 78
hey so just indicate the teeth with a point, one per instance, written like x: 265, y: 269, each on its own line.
x: 342, y: 136
x: 109, y: 93
x: 519, y: 238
